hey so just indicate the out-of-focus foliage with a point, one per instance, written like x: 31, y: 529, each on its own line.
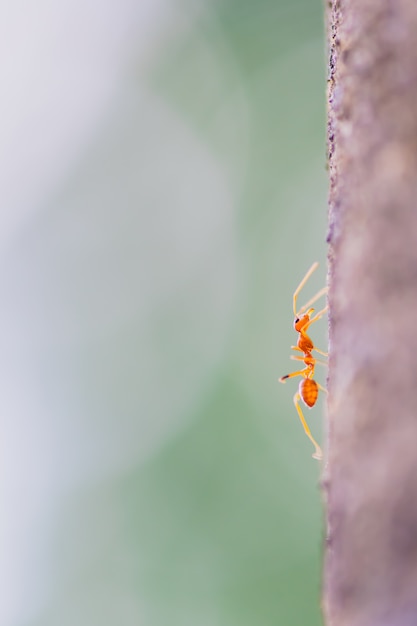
x: 163, y: 194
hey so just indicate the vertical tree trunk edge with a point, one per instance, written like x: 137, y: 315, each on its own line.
x: 370, y: 470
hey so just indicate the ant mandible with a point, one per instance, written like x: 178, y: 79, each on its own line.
x: 308, y: 389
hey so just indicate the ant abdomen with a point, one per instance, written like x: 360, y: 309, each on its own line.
x: 309, y: 391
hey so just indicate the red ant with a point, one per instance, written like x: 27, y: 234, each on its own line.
x: 308, y: 389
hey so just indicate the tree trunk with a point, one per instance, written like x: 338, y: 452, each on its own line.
x: 370, y: 477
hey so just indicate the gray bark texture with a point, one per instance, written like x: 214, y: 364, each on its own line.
x: 370, y: 474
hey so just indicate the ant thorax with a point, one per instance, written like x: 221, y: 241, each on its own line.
x: 305, y: 344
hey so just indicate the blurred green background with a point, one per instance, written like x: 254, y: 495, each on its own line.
x: 164, y: 191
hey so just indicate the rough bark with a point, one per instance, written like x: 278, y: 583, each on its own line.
x: 370, y: 476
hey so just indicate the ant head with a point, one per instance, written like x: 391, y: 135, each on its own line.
x: 300, y: 322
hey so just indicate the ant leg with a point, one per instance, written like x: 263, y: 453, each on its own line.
x: 316, y: 349
x: 301, y: 285
x: 293, y: 357
x: 317, y: 453
x: 315, y: 318
x: 318, y: 295
x: 299, y: 373
x: 322, y: 388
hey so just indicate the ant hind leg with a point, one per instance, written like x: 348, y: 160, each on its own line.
x: 322, y: 388
x: 318, y: 454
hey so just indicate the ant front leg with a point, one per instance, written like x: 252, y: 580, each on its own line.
x: 316, y: 317
x: 318, y: 454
